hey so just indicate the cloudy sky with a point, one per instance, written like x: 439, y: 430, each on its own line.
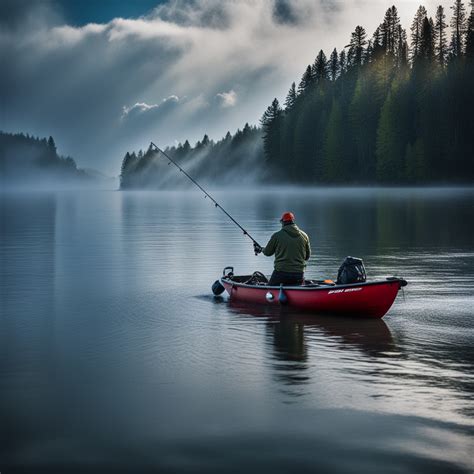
x: 107, y: 77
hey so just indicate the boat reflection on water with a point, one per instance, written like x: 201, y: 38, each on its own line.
x: 301, y: 344
x: 290, y: 327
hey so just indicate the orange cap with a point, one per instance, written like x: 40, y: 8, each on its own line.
x: 287, y: 217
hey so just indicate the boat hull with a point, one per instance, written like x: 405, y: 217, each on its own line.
x: 369, y: 300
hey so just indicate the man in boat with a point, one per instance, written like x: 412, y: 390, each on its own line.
x: 292, y: 250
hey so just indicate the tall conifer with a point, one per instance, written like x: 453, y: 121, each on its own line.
x: 427, y: 41
x: 440, y: 35
x: 458, y: 26
x: 320, y: 67
x: 334, y: 65
x: 356, y: 46
x: 470, y: 34
x: 342, y: 62
x: 416, y: 29
x: 390, y: 31
x: 271, y: 128
x: 291, y: 97
x: 306, y: 81
x: 402, y: 48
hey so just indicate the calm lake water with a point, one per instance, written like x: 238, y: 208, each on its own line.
x: 115, y: 357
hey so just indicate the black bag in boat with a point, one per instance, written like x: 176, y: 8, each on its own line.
x: 352, y: 270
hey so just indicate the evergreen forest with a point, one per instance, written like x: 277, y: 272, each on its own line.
x: 31, y: 161
x: 393, y: 108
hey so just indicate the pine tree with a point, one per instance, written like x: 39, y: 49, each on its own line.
x: 427, y: 41
x: 291, y: 97
x: 271, y: 127
x: 470, y: 34
x: 187, y: 147
x: 271, y: 114
x: 390, y: 30
x: 416, y: 29
x: 440, y: 35
x: 205, y: 140
x: 458, y: 26
x: 402, y: 49
x: 125, y: 164
x: 51, y: 145
x: 334, y: 65
x: 129, y: 165
x: 320, y: 67
x: 306, y: 81
x: 369, y: 53
x: 356, y: 46
x: 377, y: 39
x: 342, y: 62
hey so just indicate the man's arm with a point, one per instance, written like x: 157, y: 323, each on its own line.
x: 307, y: 249
x: 270, y: 248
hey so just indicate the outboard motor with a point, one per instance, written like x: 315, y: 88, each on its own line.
x: 352, y: 270
x: 217, y: 288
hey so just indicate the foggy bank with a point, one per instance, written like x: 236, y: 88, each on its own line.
x: 30, y: 163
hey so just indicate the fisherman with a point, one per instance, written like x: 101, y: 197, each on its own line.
x: 291, y: 248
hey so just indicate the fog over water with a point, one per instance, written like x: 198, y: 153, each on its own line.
x: 114, y: 355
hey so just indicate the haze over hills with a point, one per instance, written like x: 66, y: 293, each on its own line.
x: 33, y: 162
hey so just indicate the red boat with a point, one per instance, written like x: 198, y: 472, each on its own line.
x: 367, y: 299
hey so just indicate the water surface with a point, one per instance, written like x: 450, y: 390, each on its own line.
x: 115, y: 357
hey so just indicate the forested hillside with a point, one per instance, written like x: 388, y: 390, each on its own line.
x: 31, y: 161
x: 238, y: 157
x: 393, y: 108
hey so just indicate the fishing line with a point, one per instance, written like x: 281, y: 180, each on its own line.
x: 216, y: 204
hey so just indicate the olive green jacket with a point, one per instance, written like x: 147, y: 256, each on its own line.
x: 291, y: 248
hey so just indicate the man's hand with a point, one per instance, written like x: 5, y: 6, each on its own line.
x: 257, y: 248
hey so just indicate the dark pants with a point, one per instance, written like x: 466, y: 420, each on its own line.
x: 286, y: 278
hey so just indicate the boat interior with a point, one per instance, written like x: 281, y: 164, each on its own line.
x: 259, y: 279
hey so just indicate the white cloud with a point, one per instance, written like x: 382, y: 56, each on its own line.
x: 227, y: 99
x: 69, y: 36
x: 142, y: 107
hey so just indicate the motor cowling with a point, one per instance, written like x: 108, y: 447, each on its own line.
x: 352, y: 270
x: 217, y: 288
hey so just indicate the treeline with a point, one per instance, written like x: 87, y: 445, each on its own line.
x: 235, y: 155
x: 381, y: 110
x: 29, y: 160
x: 395, y: 108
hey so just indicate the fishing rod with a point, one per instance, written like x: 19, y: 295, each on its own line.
x: 216, y: 204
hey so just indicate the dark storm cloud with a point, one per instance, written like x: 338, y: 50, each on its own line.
x: 225, y: 61
x: 284, y: 12
x: 22, y: 14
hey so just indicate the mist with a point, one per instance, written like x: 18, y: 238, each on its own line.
x: 212, y: 163
x: 29, y: 163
